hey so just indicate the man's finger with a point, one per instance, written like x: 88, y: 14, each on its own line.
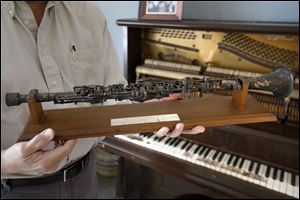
x: 172, y: 97
x: 177, y: 131
x: 195, y: 130
x: 59, y: 153
x: 151, y: 101
x: 162, y: 132
x: 38, y: 142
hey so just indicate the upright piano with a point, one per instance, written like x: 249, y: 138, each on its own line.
x: 247, y: 161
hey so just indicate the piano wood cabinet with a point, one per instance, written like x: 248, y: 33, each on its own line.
x: 246, y: 161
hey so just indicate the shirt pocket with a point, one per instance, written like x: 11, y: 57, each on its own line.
x: 86, y: 66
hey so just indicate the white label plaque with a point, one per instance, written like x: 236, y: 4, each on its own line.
x: 144, y: 119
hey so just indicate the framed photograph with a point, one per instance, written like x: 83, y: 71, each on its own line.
x: 161, y: 10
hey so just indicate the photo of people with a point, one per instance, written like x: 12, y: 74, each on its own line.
x: 161, y: 7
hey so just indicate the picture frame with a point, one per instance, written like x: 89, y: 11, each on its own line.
x: 161, y: 10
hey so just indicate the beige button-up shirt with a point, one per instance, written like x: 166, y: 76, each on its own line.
x: 42, y: 58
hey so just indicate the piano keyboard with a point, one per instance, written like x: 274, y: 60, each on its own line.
x: 251, y: 171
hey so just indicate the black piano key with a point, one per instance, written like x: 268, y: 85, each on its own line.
x: 257, y: 168
x: 221, y: 156
x: 148, y: 135
x: 202, y: 150
x: 156, y: 138
x: 241, y: 164
x: 189, y: 147
x: 184, y: 145
x: 206, y: 153
x: 275, y: 173
x: 268, y: 171
x: 215, y: 154
x: 142, y: 134
x: 168, y: 140
x: 177, y: 142
x: 229, y: 160
x: 293, y: 183
x: 281, y: 176
x: 250, y: 166
x: 173, y: 142
x: 197, y: 149
x: 236, y: 161
x: 161, y: 138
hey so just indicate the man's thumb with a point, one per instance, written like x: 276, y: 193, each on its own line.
x: 39, y: 141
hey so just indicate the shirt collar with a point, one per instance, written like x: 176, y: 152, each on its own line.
x: 10, y: 6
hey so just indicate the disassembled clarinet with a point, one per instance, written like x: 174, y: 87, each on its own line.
x: 279, y: 82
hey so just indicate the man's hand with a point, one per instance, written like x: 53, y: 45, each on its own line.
x: 180, y: 126
x: 29, y: 158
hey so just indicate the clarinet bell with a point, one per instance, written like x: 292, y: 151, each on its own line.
x: 280, y: 82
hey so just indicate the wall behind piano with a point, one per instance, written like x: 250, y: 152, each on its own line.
x: 284, y: 11
x: 280, y: 11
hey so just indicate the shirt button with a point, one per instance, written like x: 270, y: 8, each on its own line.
x: 11, y: 12
x: 26, y: 22
x: 44, y: 53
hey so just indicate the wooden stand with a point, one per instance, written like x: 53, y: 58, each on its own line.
x: 97, y: 120
x: 239, y: 97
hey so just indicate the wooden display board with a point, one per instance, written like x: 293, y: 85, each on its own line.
x: 145, y: 117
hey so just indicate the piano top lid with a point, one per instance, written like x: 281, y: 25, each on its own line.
x: 214, y: 25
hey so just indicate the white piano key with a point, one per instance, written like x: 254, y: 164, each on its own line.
x: 171, y: 146
x: 283, y: 185
x: 158, y: 146
x: 256, y: 181
x: 296, y: 188
x: 250, y: 178
x: 182, y: 152
x: 176, y: 151
x: 210, y: 155
x: 190, y: 152
x: 229, y: 166
x: 217, y: 166
x: 237, y: 170
x: 166, y: 146
x: 290, y: 187
x: 245, y: 169
x: 270, y: 181
x: 196, y: 155
x: 224, y: 163
x: 209, y: 158
x: 162, y: 142
x: 262, y: 172
x: 205, y: 154
x: 200, y: 157
x: 277, y: 181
